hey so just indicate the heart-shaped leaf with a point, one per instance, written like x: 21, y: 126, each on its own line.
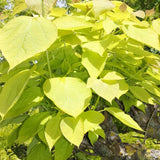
x: 71, y: 95
x: 73, y: 130
x: 24, y: 37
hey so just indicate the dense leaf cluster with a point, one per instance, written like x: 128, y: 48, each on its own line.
x: 57, y: 64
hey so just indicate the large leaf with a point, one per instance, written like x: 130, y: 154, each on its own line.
x: 73, y: 130
x: 71, y: 95
x: 108, y: 90
x: 63, y: 149
x: 141, y: 94
x: 91, y: 120
x: 145, y: 35
x: 124, y: 118
x: 39, y: 152
x: 52, y: 130
x: 101, y: 6
x: 31, y: 126
x: 24, y: 37
x: 36, y: 5
x: 71, y: 23
x: 93, y: 62
x: 12, y: 90
x: 29, y: 98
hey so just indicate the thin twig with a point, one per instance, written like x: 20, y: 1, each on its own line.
x: 148, y: 124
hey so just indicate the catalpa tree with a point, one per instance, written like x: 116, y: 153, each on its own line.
x: 58, y: 66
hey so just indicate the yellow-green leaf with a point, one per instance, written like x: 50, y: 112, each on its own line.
x: 85, y: 6
x: 12, y: 90
x: 19, y: 5
x: 52, y: 130
x: 109, y: 25
x: 124, y: 118
x: 24, y: 37
x: 156, y: 25
x: 108, y: 90
x: 29, y: 98
x: 91, y: 120
x: 144, y: 35
x: 73, y: 130
x: 93, y: 62
x: 151, y: 87
x: 141, y: 94
x: 71, y: 23
x: 66, y: 92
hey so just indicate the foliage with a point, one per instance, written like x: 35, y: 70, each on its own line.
x: 58, y: 67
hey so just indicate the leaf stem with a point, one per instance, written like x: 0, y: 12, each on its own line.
x: 49, y: 68
x: 43, y: 13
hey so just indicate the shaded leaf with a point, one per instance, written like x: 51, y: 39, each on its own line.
x: 39, y: 152
x: 63, y: 149
x: 29, y: 98
x: 10, y: 96
x: 141, y: 94
x: 31, y: 126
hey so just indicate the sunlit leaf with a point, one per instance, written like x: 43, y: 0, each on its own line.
x: 109, y: 25
x: 91, y: 120
x: 52, y: 130
x: 101, y: 6
x: 66, y: 92
x: 156, y: 25
x: 85, y: 6
x: 124, y: 118
x: 71, y: 23
x: 108, y: 90
x: 73, y: 130
x: 93, y: 62
x: 24, y: 37
x: 144, y: 35
x: 139, y: 14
